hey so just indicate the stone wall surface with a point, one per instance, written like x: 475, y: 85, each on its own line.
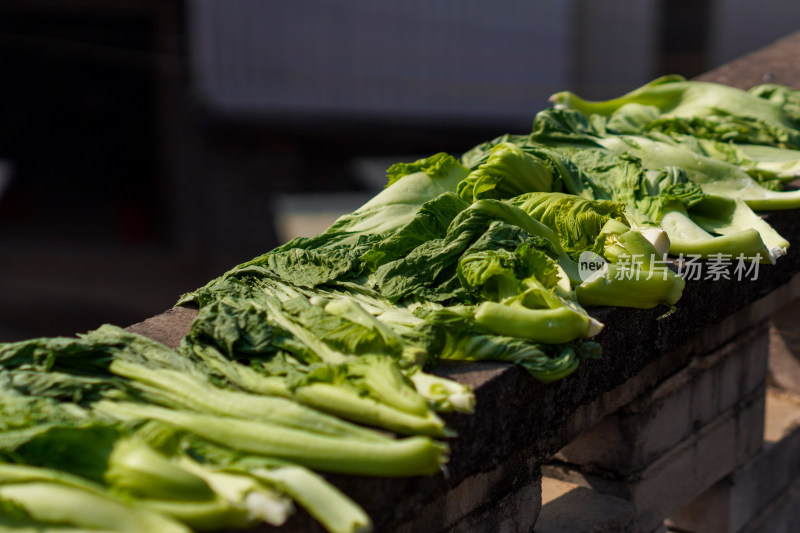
x: 670, y: 422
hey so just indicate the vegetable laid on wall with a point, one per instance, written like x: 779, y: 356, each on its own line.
x: 319, y: 356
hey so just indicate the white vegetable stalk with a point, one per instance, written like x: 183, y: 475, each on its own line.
x: 56, y: 498
x: 446, y: 394
x: 335, y: 511
x: 239, y: 490
x: 658, y: 238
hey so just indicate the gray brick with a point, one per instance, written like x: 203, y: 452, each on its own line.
x: 781, y: 516
x: 686, y: 470
x: 630, y: 439
x: 704, y: 397
x: 698, y: 463
x: 734, y: 502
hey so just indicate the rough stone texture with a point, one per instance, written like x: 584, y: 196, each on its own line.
x: 640, y: 348
x: 749, y: 495
x: 572, y: 508
x: 631, y: 438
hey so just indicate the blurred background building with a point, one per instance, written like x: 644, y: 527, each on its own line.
x: 149, y: 145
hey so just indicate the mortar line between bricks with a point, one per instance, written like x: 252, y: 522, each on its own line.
x: 744, y: 403
x: 624, y: 398
x: 696, y: 363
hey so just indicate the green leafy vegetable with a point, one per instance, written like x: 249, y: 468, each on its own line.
x: 701, y: 109
x: 507, y: 172
x: 656, y: 188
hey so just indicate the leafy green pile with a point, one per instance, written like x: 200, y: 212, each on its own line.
x: 316, y: 357
x: 736, y: 149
